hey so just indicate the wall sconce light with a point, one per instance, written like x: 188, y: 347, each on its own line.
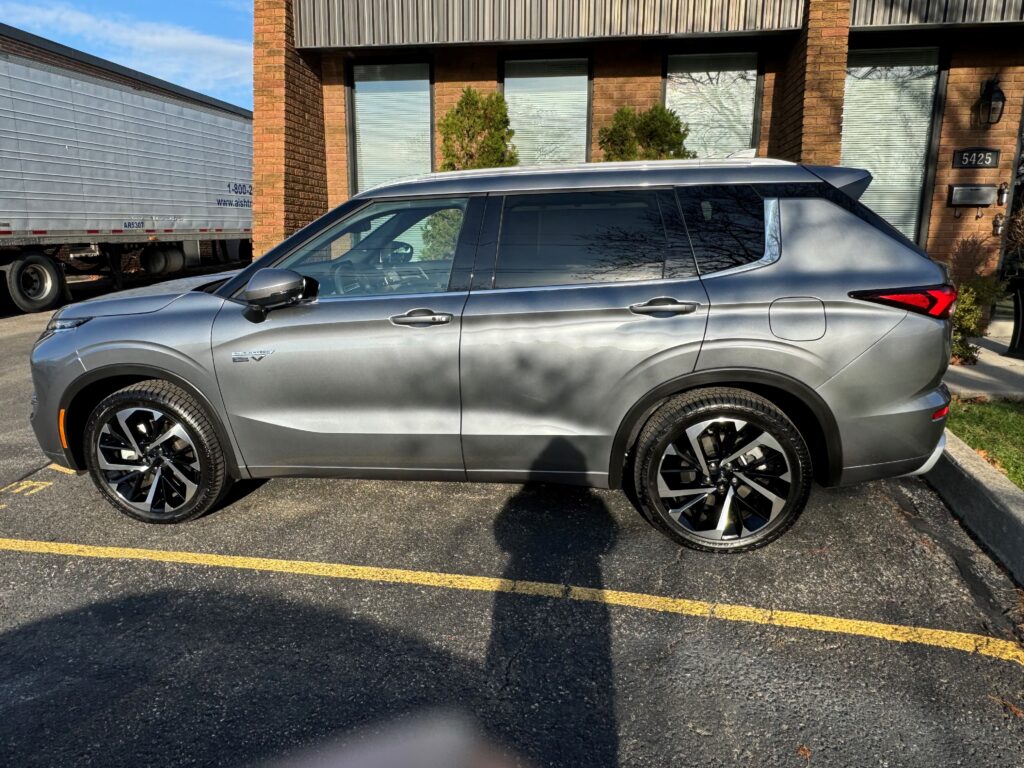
x: 997, y: 224
x: 1002, y: 193
x: 992, y: 102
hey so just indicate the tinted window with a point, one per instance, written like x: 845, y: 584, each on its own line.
x: 580, y: 237
x: 726, y: 224
x: 385, y: 248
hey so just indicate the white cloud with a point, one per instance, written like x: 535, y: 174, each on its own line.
x: 212, y: 65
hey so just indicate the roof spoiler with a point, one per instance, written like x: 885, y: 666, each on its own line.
x: 852, y: 181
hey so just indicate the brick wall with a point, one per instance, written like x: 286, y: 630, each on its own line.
x: 336, y: 147
x: 456, y: 69
x: 960, y: 129
x: 289, y: 152
x: 625, y: 75
x: 807, y: 99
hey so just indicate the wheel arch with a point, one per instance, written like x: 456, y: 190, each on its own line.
x: 86, y: 392
x: 801, y: 404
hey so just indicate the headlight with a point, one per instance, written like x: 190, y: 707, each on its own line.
x: 58, y: 323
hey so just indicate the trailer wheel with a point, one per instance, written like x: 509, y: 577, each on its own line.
x: 35, y: 282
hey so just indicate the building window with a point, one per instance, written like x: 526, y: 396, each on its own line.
x: 887, y: 121
x: 716, y: 96
x: 547, y: 108
x: 391, y: 106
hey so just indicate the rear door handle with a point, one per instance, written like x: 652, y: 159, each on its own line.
x: 422, y: 317
x: 664, y: 305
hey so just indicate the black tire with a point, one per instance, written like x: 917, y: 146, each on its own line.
x: 171, y: 502
x: 778, y: 466
x: 35, y: 282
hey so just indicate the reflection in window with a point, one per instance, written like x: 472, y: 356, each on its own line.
x: 580, y: 237
x: 887, y: 118
x: 726, y: 225
x: 385, y: 248
x: 547, y: 109
x: 391, y: 103
x: 715, y: 96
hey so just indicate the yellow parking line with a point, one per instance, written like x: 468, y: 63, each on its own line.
x: 939, y: 638
x: 59, y: 468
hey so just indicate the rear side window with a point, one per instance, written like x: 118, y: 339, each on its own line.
x: 568, y: 238
x: 725, y: 223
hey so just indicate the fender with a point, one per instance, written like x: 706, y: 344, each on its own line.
x: 235, y: 469
x: 637, y: 416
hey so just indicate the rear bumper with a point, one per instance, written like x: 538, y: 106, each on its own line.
x: 933, y: 459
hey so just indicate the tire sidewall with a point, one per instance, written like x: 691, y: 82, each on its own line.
x: 205, y: 495
x: 48, y: 301
x: 780, y: 428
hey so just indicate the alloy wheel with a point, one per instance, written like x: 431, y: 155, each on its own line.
x: 723, y: 479
x: 148, y: 460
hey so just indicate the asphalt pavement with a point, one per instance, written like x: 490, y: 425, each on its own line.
x: 571, y: 633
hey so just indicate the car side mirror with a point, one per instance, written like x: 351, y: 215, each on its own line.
x: 270, y: 289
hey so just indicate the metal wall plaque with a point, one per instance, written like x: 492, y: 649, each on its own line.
x: 972, y: 194
x: 976, y: 157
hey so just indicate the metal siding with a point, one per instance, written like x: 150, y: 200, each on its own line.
x: 368, y: 23
x: 79, y: 153
x: 888, y: 13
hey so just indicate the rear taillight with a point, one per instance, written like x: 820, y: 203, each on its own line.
x: 934, y: 300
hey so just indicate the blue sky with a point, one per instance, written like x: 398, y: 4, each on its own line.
x: 205, y: 45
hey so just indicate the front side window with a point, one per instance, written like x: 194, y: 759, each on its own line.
x: 716, y: 97
x: 391, y: 105
x: 580, y: 237
x: 387, y: 248
x: 887, y: 120
x: 547, y: 109
x: 726, y: 224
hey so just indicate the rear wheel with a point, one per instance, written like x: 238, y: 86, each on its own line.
x: 153, y: 453
x: 721, y: 470
x: 35, y: 282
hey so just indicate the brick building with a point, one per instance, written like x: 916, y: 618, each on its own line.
x: 348, y: 93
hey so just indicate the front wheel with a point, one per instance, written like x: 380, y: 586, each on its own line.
x: 721, y: 470
x: 153, y: 453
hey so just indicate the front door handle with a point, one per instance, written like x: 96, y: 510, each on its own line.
x: 422, y: 317
x: 664, y: 305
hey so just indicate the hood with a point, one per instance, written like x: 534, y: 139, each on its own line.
x: 136, y: 301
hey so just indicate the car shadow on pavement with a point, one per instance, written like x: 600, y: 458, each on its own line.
x: 235, y: 668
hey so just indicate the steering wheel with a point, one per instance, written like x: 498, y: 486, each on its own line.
x: 347, y: 279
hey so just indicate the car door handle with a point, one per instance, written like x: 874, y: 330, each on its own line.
x: 422, y: 317
x: 664, y: 305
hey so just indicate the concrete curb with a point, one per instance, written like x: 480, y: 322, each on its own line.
x: 984, y: 500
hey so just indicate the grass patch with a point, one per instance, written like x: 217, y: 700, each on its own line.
x: 995, y: 429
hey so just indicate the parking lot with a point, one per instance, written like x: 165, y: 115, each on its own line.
x: 874, y: 633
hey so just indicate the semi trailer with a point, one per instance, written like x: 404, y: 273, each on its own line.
x: 103, y: 169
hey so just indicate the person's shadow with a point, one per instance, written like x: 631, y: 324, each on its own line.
x: 549, y: 660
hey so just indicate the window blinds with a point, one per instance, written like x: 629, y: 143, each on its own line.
x: 887, y: 120
x: 547, y: 109
x: 715, y: 95
x: 392, y: 122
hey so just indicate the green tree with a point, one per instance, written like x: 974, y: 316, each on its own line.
x: 657, y: 134
x: 476, y: 134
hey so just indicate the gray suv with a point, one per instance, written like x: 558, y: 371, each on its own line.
x: 708, y: 336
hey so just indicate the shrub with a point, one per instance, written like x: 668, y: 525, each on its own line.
x: 657, y: 134
x: 977, y: 291
x: 476, y: 134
